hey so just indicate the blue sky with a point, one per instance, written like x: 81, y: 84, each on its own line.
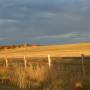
x: 44, y: 21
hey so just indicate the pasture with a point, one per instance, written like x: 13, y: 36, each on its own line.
x: 31, y: 68
x: 63, y: 74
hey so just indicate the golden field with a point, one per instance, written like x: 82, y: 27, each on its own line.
x: 63, y: 50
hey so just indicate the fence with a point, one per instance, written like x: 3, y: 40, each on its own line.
x: 29, y: 72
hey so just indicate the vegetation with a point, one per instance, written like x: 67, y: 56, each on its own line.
x: 68, y: 50
x: 66, y: 73
x: 61, y: 76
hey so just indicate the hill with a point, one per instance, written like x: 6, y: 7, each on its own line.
x: 65, y: 50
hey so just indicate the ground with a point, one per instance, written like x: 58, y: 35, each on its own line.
x: 65, y: 50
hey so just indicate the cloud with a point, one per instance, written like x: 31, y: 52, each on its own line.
x: 73, y: 35
x: 45, y: 19
x: 7, y: 39
x: 63, y: 36
x: 3, y: 21
x: 46, y: 14
x: 2, y: 39
x: 72, y: 17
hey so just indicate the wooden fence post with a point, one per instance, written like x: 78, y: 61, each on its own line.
x: 49, y: 61
x: 83, y: 68
x: 6, y: 62
x: 25, y: 62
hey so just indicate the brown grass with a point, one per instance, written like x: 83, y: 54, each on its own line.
x: 43, y: 77
x: 53, y: 50
x: 23, y: 78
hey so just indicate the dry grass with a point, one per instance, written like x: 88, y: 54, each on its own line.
x: 38, y: 74
x: 53, y: 50
x: 43, y: 77
x: 23, y: 78
x: 20, y: 78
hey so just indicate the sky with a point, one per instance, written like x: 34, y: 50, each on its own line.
x: 44, y: 21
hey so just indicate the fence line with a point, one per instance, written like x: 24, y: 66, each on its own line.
x: 25, y: 62
x: 49, y: 61
x: 83, y: 68
x: 6, y: 60
x: 64, y: 69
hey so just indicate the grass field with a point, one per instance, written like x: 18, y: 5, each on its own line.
x: 66, y: 70
x: 63, y: 74
x: 67, y: 50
